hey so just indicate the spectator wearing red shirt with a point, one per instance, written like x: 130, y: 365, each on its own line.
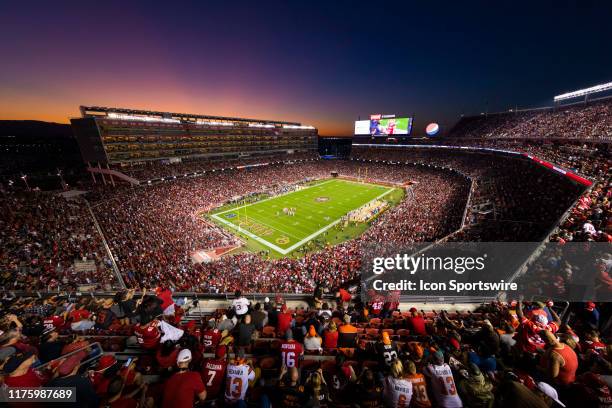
x: 148, y: 334
x: 529, y: 339
x: 291, y: 351
x: 330, y: 336
x: 19, y: 372
x: 211, y: 336
x: 81, y: 319
x: 182, y: 389
x: 213, y: 372
x: 416, y: 323
x: 166, y: 355
x: 284, y: 321
x: 167, y: 304
x: 344, y: 297
x: 105, y: 371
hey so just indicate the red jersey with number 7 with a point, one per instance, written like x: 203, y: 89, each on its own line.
x: 290, y: 353
x: 213, y: 374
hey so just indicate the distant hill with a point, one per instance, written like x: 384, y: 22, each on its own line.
x: 35, y: 129
x: 37, y: 148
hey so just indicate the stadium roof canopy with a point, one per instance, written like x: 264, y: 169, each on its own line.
x: 103, y: 111
x: 584, y: 92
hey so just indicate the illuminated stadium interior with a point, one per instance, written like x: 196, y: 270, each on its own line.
x: 427, y: 223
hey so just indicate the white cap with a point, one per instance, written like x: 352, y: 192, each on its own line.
x: 267, y: 300
x: 550, y: 392
x: 183, y: 356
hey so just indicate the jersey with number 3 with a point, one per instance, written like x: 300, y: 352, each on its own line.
x: 443, y: 385
x: 237, y: 382
x: 420, y: 399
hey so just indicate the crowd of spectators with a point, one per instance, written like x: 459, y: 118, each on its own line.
x: 42, y: 234
x: 585, y: 122
x: 512, y: 198
x: 153, y: 230
x: 151, y: 350
x: 151, y: 170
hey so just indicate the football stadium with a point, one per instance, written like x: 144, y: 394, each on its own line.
x: 188, y: 220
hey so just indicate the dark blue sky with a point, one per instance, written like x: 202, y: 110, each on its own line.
x: 322, y: 63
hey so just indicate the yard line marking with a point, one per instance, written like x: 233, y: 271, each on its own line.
x: 267, y: 199
x: 299, y: 243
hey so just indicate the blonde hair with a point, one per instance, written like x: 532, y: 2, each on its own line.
x: 410, y: 367
x: 396, y: 369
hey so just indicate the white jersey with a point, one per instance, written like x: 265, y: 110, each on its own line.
x: 443, y: 385
x: 237, y: 384
x: 241, y: 306
x: 398, y: 392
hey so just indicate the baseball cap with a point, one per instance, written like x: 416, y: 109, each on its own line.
x: 105, y: 362
x: 220, y: 352
x: 455, y: 343
x: 267, y: 300
x: 590, y: 306
x: 439, y: 356
x: 15, y: 361
x: 550, y: 392
x: 183, y: 356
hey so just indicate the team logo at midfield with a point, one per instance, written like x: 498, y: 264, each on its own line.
x: 282, y: 240
x: 230, y: 215
x: 321, y: 199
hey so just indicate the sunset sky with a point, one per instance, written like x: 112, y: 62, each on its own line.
x: 320, y: 63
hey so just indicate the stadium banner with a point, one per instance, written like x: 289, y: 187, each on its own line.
x: 485, y: 271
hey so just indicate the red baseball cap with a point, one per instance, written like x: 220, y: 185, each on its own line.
x: 105, y: 362
x: 220, y: 352
x: 590, y: 306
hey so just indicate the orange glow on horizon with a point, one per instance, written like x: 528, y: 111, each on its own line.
x: 43, y: 110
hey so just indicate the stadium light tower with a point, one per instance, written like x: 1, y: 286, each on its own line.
x: 583, y: 92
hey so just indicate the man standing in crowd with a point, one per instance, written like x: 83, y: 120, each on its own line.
x: 291, y: 351
x: 185, y: 386
x: 239, y: 373
x: 442, y: 382
x: 213, y: 372
x: 240, y: 304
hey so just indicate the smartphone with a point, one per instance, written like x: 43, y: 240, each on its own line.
x: 128, y: 362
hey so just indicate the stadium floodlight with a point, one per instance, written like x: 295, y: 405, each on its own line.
x: 122, y: 116
x: 297, y: 127
x: 584, y: 92
x: 213, y: 123
x: 261, y: 125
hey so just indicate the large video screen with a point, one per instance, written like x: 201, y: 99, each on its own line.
x: 383, y: 126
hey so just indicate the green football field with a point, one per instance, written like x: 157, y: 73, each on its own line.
x: 318, y: 208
